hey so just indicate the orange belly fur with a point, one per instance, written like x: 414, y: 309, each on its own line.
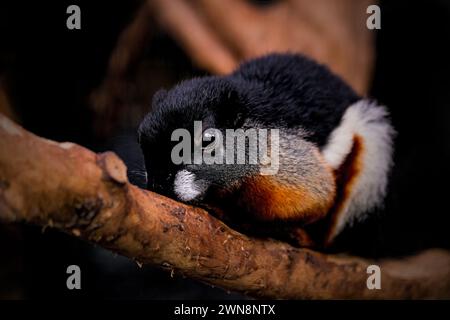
x: 269, y: 199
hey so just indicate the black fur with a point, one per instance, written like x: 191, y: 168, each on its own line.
x: 276, y: 91
x: 291, y: 91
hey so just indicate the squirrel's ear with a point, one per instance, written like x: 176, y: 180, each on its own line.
x: 158, y: 97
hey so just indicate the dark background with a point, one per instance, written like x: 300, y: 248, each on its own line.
x: 50, y: 71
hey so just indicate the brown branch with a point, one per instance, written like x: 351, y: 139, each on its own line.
x: 68, y: 187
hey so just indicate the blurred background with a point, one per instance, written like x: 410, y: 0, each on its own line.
x: 92, y: 86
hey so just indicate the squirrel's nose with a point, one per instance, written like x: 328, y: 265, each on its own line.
x: 161, y: 185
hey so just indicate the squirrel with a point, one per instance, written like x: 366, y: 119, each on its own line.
x: 334, y: 147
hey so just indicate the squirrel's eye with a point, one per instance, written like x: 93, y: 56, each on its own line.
x: 208, y: 135
x: 209, y: 140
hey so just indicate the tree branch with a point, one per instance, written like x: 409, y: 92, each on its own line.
x: 68, y: 187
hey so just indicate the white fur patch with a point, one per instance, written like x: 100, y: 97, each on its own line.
x: 186, y: 186
x: 369, y: 121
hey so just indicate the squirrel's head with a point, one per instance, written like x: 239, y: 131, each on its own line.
x: 186, y: 125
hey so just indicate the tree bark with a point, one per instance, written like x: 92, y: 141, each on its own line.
x: 70, y: 188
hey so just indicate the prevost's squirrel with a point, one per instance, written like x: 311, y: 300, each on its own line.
x: 335, y: 147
